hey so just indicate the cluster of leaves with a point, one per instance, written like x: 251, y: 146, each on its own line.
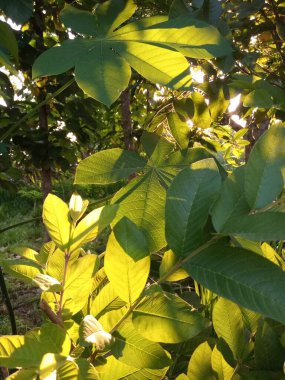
x: 114, y: 316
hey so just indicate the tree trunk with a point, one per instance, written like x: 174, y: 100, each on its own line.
x: 127, y: 123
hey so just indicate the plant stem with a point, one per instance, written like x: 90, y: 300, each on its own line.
x: 66, y: 260
x: 36, y: 109
x: 8, y: 303
x: 19, y: 224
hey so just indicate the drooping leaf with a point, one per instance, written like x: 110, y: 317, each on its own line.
x: 27, y: 351
x: 56, y: 220
x: 229, y: 325
x: 179, y: 129
x: 188, y: 202
x: 133, y: 349
x: 241, y: 276
x: 108, y: 166
x: 221, y: 366
x: 128, y: 275
x: 166, y: 318
x: 200, y: 367
x: 79, y: 281
x: 97, y: 74
x: 265, y: 169
x: 142, y: 201
x: 8, y: 40
x: 24, y: 269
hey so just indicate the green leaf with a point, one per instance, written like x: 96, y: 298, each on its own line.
x: 97, y: 73
x: 269, y: 353
x: 229, y: 325
x: 60, y: 59
x: 232, y: 215
x: 111, y: 318
x: 103, y: 73
x: 115, y: 370
x: 8, y: 40
x: 27, y: 351
x: 128, y: 275
x: 24, y: 374
x: 168, y: 261
x: 79, y: 370
x: 56, y: 220
x: 134, y: 350
x: 188, y: 202
x: 220, y: 365
x: 241, y: 276
x: 24, y: 269
x: 157, y: 64
x: 108, y: 166
x: 79, y: 281
x: 47, y: 283
x: 18, y: 10
x: 131, y: 239
x: 192, y: 38
x: 265, y: 170
x: 50, y: 363
x: 164, y: 317
x: 258, y: 98
x: 179, y: 129
x: 46, y: 250
x: 200, y: 367
x: 27, y: 253
x: 86, y: 230
x: 106, y: 300
x: 202, y: 118
x: 142, y: 201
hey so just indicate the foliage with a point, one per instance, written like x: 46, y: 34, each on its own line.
x: 105, y: 307
x: 178, y: 215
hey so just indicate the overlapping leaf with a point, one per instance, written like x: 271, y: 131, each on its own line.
x: 154, y: 48
x: 143, y: 199
x: 241, y: 276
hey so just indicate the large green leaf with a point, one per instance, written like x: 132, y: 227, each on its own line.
x: 269, y: 353
x: 133, y: 349
x: 179, y: 129
x: 229, y: 325
x: 156, y: 63
x: 200, y: 367
x: 165, y: 317
x: 115, y: 370
x: 18, y: 10
x: 142, y: 201
x: 79, y: 281
x: 24, y: 374
x: 188, y: 202
x: 79, y: 370
x: 97, y: 73
x: 154, y: 48
x: 233, y: 216
x: 8, y: 40
x: 108, y: 166
x: 221, y: 366
x: 241, y: 276
x: 56, y: 220
x: 22, y: 268
x: 128, y: 274
x: 106, y: 300
x: 265, y: 169
x: 27, y: 351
